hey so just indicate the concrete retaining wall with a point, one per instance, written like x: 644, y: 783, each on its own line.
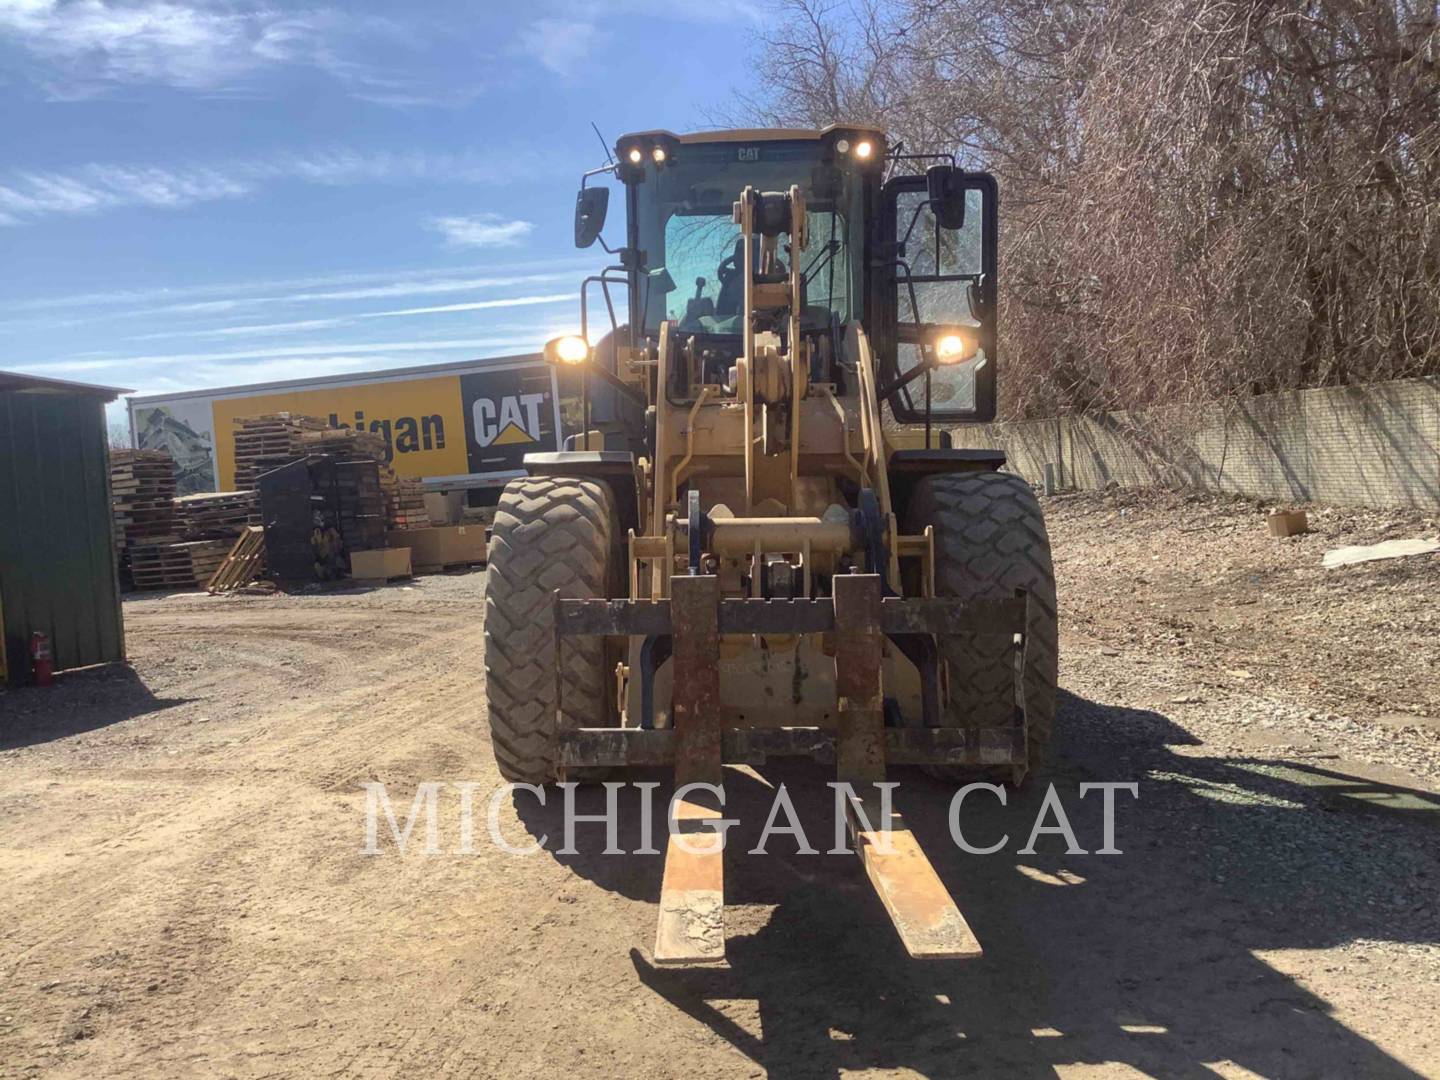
x: 1375, y: 445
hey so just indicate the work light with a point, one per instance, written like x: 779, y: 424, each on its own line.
x: 570, y: 349
x: 953, y: 346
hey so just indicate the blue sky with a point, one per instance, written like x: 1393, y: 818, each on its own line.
x: 201, y: 194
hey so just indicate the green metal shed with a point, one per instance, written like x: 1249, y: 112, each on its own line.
x: 57, y: 559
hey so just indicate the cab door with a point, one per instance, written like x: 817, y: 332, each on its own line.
x: 931, y: 276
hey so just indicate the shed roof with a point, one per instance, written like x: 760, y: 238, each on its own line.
x: 15, y: 380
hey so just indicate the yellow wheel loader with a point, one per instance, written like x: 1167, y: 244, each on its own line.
x: 759, y: 542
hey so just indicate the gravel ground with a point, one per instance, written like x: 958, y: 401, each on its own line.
x: 1208, y: 609
x: 186, y: 892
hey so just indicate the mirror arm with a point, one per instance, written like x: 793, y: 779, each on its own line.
x: 914, y: 218
x: 910, y: 286
x: 610, y: 168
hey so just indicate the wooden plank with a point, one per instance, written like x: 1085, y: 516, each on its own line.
x: 691, y: 926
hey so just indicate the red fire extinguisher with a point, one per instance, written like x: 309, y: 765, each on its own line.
x: 42, y: 660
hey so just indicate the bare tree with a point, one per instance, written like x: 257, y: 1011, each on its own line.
x: 1222, y: 197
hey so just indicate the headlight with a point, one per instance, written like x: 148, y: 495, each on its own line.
x: 954, y: 346
x: 570, y: 349
x: 863, y: 149
x: 636, y: 155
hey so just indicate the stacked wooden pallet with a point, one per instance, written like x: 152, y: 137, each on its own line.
x: 349, y: 444
x: 187, y: 565
x: 404, y: 495
x: 345, y: 444
x: 142, y: 490
x: 360, y: 501
x: 268, y: 441
x: 216, y: 515
x: 407, y: 505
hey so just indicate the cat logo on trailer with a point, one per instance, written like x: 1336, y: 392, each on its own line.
x: 508, y: 413
x: 507, y: 420
x: 472, y: 421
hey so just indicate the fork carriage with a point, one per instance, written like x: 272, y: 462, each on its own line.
x: 857, y: 621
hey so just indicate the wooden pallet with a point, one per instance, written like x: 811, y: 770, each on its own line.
x: 183, y: 565
x: 345, y: 443
x: 142, y: 493
x: 269, y: 441
x: 216, y: 514
x: 450, y: 567
x: 407, y: 504
x: 243, y: 564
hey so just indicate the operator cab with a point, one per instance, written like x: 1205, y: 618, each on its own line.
x: 904, y: 245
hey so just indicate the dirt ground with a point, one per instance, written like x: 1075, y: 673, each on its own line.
x: 186, y: 891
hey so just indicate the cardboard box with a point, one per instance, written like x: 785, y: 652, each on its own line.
x: 445, y: 507
x: 438, y: 509
x: 380, y: 564
x: 447, y: 545
x: 1288, y: 523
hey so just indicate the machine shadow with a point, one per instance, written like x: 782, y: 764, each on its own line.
x: 1146, y: 958
x: 82, y: 700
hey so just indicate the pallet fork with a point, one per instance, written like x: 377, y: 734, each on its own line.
x: 698, y: 744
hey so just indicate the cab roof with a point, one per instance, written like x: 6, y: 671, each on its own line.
x: 753, y: 134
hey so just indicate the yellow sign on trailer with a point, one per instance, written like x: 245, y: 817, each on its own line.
x: 455, y: 425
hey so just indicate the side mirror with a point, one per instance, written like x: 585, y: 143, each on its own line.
x: 590, y: 207
x: 945, y: 186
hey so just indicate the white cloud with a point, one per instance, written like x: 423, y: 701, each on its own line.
x: 362, y: 285
x: 561, y: 44
x: 279, y: 352
x: 29, y: 196
x: 691, y: 10
x: 207, y: 375
x: 302, y: 325
x: 480, y: 230
x: 257, y: 329
x: 563, y: 40
x: 90, y: 41
x: 417, y: 288
x: 85, y: 47
x: 478, y: 305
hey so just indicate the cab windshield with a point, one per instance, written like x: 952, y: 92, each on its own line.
x: 692, y: 247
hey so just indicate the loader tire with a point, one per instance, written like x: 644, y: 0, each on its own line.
x: 990, y: 540
x: 549, y: 534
